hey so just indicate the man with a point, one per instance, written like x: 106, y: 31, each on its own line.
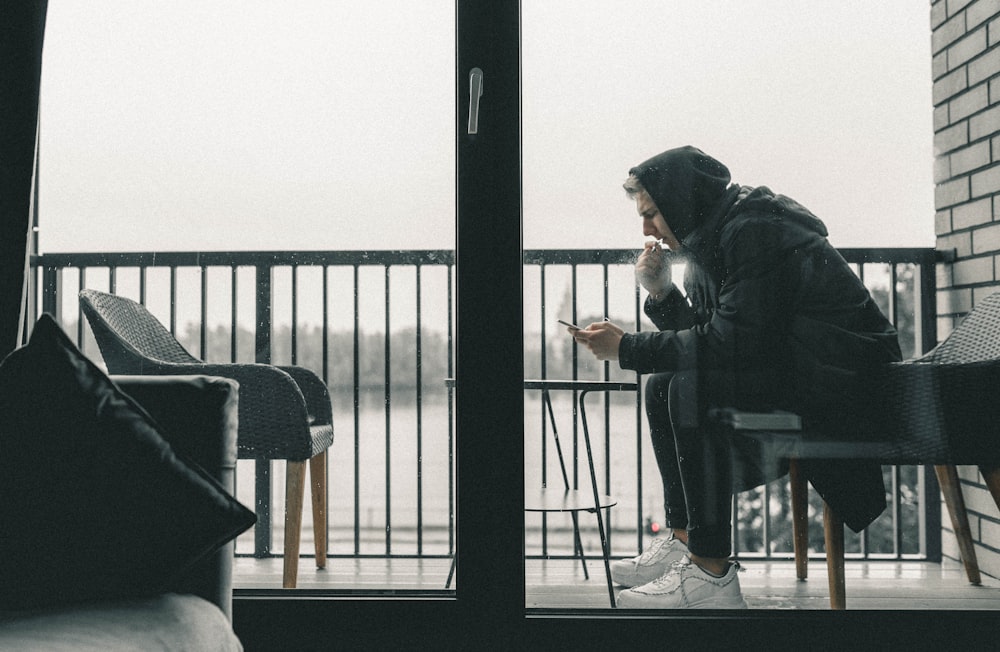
x: 771, y: 317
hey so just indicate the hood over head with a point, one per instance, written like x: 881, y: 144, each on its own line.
x: 685, y: 183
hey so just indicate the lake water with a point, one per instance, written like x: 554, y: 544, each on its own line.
x: 391, y: 505
x: 377, y: 430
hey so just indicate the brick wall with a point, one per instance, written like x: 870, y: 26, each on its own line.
x: 965, y: 49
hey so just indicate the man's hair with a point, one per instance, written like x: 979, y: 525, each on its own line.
x: 633, y: 186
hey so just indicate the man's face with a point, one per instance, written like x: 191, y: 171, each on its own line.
x: 653, y: 224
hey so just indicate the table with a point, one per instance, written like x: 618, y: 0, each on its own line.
x: 547, y: 499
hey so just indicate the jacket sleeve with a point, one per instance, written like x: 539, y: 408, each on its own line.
x: 672, y: 313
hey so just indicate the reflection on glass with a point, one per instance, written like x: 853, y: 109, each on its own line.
x: 605, y: 88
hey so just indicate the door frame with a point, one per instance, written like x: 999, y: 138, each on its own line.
x: 487, y: 611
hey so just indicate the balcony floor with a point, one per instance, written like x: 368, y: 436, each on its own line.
x: 871, y: 585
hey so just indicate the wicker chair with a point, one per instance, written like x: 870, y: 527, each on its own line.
x: 285, y: 413
x: 939, y: 409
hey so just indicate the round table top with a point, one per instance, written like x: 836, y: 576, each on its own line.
x: 552, y: 499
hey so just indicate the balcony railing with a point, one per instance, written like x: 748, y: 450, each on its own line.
x: 378, y: 328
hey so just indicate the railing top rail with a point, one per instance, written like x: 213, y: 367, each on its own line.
x: 923, y: 255
x: 245, y: 258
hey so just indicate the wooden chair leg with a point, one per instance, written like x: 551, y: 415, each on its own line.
x: 833, y: 530
x: 947, y: 476
x: 800, y: 519
x: 317, y: 476
x: 295, y: 484
x: 992, y: 479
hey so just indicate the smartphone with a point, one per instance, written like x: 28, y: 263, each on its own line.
x: 566, y: 323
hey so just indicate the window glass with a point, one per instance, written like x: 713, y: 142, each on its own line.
x: 323, y: 134
x: 831, y: 107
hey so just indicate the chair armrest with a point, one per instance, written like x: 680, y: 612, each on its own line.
x: 952, y: 407
x: 745, y: 420
x: 198, y: 417
x: 917, y: 413
x: 315, y: 392
x: 205, y: 430
x: 272, y: 409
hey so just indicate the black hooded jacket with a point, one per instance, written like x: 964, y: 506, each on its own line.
x: 772, y: 309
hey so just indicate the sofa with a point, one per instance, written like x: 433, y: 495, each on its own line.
x: 121, y: 492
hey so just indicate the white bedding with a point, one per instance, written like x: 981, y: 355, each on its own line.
x: 166, y: 622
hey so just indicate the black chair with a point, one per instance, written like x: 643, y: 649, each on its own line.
x: 285, y: 413
x: 939, y: 409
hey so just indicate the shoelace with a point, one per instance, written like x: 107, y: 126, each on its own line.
x: 653, y: 549
x: 676, y: 568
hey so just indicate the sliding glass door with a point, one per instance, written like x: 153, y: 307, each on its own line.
x: 310, y: 184
x: 281, y: 180
x: 418, y: 146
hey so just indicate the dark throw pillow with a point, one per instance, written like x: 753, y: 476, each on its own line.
x: 94, y: 503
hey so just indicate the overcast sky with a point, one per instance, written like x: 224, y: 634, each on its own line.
x: 246, y: 125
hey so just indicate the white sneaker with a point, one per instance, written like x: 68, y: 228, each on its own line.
x: 652, y: 563
x: 687, y: 586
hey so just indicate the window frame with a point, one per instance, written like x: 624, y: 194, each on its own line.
x: 488, y: 608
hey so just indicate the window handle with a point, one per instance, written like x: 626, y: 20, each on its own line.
x: 475, y: 92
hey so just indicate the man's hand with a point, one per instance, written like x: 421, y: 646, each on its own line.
x: 601, y: 338
x: 652, y: 271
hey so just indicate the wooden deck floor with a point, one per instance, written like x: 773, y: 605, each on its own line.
x: 871, y: 585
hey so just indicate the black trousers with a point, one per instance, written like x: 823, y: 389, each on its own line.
x: 701, y: 465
